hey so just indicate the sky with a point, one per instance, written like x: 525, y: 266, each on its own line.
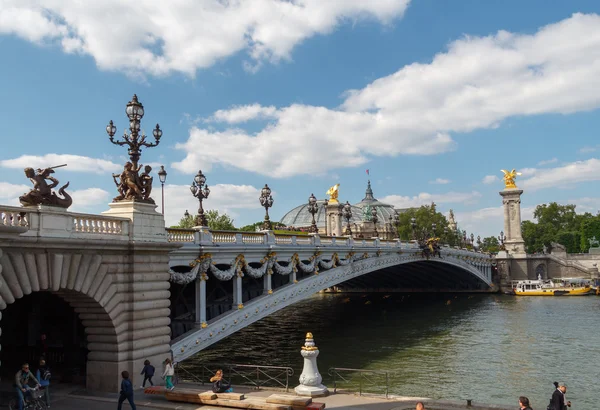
x: 433, y: 97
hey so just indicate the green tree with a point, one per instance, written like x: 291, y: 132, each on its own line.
x: 215, y: 221
x: 589, y: 228
x: 490, y: 244
x: 425, y: 217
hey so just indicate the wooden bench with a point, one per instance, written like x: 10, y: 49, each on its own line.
x: 296, y: 402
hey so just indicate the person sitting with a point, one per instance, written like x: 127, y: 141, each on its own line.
x: 524, y: 403
x: 219, y: 384
x: 22, y: 379
x: 420, y: 406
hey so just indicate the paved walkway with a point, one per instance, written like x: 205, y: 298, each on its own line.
x: 69, y: 397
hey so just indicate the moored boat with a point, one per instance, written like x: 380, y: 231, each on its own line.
x: 549, y: 288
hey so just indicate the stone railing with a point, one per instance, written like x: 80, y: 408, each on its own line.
x: 12, y: 216
x: 180, y: 235
x: 253, y: 237
x: 225, y: 236
x: 85, y: 223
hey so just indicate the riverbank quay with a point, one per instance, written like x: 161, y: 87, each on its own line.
x: 69, y: 397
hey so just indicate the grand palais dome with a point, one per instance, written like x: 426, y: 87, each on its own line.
x: 299, y: 217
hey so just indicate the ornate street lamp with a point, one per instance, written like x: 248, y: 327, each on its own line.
x: 347, y: 214
x: 326, y: 216
x: 313, y: 208
x: 266, y: 201
x: 375, y: 220
x: 433, y: 226
x: 472, y: 239
x: 162, y: 175
x: 396, y: 224
x: 446, y: 233
x: 200, y: 190
x: 133, y: 186
x: 501, y: 240
x: 478, y: 242
x: 464, y: 237
x: 186, y: 215
x: 413, y: 225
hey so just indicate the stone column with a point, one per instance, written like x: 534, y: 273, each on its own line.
x: 310, y: 379
x: 237, y: 292
x: 335, y: 222
x: 267, y: 283
x: 201, y: 299
x: 511, y: 201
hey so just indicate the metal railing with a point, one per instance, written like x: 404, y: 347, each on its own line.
x: 366, y: 379
x: 238, y: 374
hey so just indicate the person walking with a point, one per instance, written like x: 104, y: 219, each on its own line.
x: 148, y: 373
x: 126, y: 391
x: 168, y: 374
x: 558, y: 401
x: 43, y: 375
x: 524, y: 403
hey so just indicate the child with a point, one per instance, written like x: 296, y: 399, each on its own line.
x: 220, y: 385
x: 168, y: 374
x: 148, y: 372
x: 43, y: 375
x: 126, y: 391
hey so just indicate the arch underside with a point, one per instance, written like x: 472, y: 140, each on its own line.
x: 405, y: 271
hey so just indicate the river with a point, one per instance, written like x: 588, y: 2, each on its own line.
x: 489, y: 348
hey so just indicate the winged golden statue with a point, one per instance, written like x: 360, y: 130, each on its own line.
x: 509, y: 178
x: 333, y: 193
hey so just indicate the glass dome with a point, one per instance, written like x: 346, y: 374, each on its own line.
x: 299, y: 217
x: 384, y: 211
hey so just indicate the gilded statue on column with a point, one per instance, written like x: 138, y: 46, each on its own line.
x: 333, y: 193
x: 509, y: 178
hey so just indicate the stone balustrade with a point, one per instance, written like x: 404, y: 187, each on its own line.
x: 14, y: 217
x: 180, y: 235
x: 98, y: 224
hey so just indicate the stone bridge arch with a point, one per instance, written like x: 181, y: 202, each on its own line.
x: 125, y: 314
x: 478, y: 268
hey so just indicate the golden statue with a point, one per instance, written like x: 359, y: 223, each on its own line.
x: 509, y: 178
x: 333, y: 193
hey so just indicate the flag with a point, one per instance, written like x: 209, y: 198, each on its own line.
x: 368, y: 172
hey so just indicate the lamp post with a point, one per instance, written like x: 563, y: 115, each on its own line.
x: 396, y: 224
x: 501, y: 240
x: 413, y: 225
x: 325, y: 204
x: 478, y: 242
x: 472, y: 239
x: 162, y: 176
x: 433, y: 226
x: 347, y: 214
x: 446, y: 234
x: 313, y: 208
x: 464, y: 238
x: 200, y: 190
x: 375, y: 220
x: 266, y: 201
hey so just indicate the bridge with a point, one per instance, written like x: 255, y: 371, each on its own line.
x: 145, y: 292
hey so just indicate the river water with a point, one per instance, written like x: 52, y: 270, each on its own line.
x: 489, y: 348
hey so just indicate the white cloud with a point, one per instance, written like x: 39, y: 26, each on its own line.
x: 159, y: 38
x: 225, y: 198
x: 440, y: 181
x: 477, y: 83
x: 587, y: 150
x: 548, y: 162
x: 489, y: 179
x: 426, y: 199
x: 9, y: 193
x: 90, y: 199
x: 563, y: 177
x: 243, y: 113
x: 76, y: 163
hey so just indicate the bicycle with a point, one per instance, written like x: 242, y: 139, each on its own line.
x: 33, y: 401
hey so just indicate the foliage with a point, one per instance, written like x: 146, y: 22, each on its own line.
x: 425, y: 216
x: 215, y: 221
x: 285, y: 232
x: 556, y: 223
x: 490, y: 244
x: 589, y: 229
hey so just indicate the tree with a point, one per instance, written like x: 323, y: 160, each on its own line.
x: 425, y: 216
x: 589, y: 229
x: 215, y: 221
x: 490, y: 244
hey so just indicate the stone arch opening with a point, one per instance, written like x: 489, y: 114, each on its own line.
x: 540, y: 271
x: 65, y: 344
x: 36, y: 288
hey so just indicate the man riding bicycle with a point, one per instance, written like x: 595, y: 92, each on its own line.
x: 22, y: 379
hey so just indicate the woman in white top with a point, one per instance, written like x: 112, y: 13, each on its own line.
x: 168, y: 374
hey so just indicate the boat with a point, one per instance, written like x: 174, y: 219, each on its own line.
x: 541, y: 287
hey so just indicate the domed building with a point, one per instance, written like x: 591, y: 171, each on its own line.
x: 361, y: 222
x: 300, y: 218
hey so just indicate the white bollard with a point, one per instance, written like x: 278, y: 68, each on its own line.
x: 310, y: 379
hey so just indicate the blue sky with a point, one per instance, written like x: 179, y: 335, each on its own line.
x: 433, y: 97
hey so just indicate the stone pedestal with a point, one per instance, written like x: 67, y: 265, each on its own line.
x: 511, y: 202
x: 334, y: 219
x: 147, y: 225
x: 310, y: 379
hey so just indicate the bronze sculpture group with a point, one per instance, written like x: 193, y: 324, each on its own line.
x: 42, y: 193
x: 430, y: 248
x: 133, y: 186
